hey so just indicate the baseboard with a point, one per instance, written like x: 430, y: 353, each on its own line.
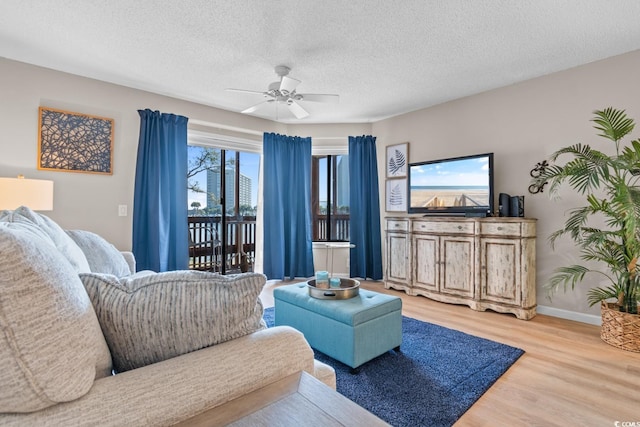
x: 569, y: 315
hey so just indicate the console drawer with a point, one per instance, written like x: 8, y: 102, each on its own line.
x: 397, y: 225
x: 500, y: 228
x: 449, y: 227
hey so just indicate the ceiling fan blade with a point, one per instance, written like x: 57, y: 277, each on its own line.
x: 297, y: 110
x: 245, y: 91
x: 288, y: 85
x: 255, y: 107
x: 320, y: 97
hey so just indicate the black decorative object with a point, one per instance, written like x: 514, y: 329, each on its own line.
x: 536, y: 172
x: 516, y: 206
x: 504, y: 204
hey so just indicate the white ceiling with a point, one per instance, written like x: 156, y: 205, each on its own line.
x: 383, y: 58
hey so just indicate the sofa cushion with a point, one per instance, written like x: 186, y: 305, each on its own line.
x: 61, y: 240
x: 152, y: 317
x: 51, y: 345
x: 101, y: 255
x: 180, y: 388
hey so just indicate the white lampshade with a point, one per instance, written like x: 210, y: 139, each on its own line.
x: 36, y: 194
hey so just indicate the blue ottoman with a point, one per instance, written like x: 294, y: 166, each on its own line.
x: 353, y: 330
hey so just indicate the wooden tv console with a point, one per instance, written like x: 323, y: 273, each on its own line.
x: 485, y: 263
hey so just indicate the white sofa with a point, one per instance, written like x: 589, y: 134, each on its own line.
x: 62, y: 334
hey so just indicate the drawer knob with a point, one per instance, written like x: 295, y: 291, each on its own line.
x: 459, y: 227
x: 499, y: 228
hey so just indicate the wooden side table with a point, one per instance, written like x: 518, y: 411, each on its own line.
x: 330, y: 246
x: 297, y: 400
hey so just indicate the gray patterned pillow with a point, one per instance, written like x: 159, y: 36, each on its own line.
x: 102, y: 256
x: 51, y: 345
x: 162, y: 315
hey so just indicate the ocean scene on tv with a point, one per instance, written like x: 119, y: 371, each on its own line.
x: 455, y: 183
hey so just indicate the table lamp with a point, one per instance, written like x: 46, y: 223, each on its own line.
x: 36, y: 194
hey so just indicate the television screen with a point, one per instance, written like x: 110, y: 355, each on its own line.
x: 456, y: 186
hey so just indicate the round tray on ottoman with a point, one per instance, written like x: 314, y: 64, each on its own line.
x: 348, y: 288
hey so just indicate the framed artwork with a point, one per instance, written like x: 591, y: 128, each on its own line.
x: 397, y: 160
x: 74, y: 142
x: 396, y: 195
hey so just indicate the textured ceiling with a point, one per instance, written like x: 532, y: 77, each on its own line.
x: 383, y: 58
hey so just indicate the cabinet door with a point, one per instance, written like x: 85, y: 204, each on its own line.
x: 426, y: 267
x: 457, y: 266
x: 499, y: 273
x: 398, y: 247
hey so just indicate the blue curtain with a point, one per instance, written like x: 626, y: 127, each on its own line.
x: 288, y: 248
x: 160, y: 229
x: 364, y: 209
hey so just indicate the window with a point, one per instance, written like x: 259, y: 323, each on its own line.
x: 330, y: 198
x: 211, y: 192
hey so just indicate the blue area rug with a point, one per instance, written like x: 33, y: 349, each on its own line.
x: 434, y: 379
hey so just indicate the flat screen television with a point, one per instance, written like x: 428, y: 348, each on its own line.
x: 457, y: 186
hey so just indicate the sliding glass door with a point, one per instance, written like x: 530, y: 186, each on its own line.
x: 222, y: 209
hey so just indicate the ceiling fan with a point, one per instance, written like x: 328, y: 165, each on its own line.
x: 284, y: 91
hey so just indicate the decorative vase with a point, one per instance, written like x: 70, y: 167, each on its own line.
x: 620, y: 329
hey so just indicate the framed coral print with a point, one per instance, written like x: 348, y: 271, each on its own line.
x: 396, y: 195
x: 74, y: 142
x: 397, y: 160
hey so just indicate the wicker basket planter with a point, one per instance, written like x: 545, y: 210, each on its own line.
x: 620, y: 329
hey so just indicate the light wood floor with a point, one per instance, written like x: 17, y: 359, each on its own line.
x: 567, y: 377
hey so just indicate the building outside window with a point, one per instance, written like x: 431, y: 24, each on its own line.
x: 330, y: 198
x: 246, y: 205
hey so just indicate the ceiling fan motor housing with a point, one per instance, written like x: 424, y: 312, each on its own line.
x: 282, y: 70
x: 285, y: 91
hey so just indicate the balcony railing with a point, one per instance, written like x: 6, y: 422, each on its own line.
x: 205, y: 245
x: 339, y: 227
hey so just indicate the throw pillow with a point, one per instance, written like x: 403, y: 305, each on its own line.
x: 102, y: 256
x: 61, y: 240
x: 149, y: 318
x: 51, y: 345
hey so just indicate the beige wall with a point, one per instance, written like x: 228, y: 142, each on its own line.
x: 89, y: 201
x: 523, y: 124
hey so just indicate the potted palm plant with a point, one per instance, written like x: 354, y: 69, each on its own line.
x: 609, y: 183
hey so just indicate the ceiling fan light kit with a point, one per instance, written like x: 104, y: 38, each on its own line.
x: 284, y: 91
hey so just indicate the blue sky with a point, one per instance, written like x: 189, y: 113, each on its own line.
x: 459, y: 172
